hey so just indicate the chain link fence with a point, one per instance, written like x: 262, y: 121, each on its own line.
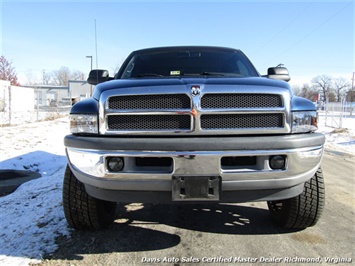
x: 21, y: 105
x: 23, y: 117
x: 338, y: 114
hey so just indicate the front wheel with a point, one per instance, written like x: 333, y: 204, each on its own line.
x: 305, y: 209
x: 82, y: 211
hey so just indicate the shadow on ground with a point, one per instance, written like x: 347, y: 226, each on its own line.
x: 11, y: 179
x: 142, y: 227
x: 20, y: 169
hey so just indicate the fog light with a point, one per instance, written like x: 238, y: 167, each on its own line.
x: 115, y: 164
x: 277, y: 162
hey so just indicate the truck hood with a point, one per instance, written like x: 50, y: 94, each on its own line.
x: 146, y: 82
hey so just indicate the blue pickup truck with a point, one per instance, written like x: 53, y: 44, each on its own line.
x: 192, y: 124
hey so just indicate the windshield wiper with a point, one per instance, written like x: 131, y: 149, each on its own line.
x: 212, y: 74
x: 148, y: 75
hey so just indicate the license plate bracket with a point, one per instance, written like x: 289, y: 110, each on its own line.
x: 196, y: 188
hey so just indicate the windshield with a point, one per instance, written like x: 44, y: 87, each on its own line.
x: 188, y: 63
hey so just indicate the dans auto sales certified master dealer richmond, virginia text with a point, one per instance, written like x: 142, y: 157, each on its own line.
x: 237, y: 260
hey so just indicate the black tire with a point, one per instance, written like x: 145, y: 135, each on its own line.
x: 82, y: 211
x: 301, y: 211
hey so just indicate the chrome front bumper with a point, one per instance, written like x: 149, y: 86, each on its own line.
x: 89, y: 165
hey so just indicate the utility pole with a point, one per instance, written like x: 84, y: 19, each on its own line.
x: 96, y: 47
x: 352, y: 93
x: 90, y: 56
x: 43, y: 75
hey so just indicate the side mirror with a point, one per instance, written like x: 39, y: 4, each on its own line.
x: 280, y: 73
x: 97, y: 76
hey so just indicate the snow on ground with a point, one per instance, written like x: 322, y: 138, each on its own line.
x: 342, y: 140
x: 32, y: 217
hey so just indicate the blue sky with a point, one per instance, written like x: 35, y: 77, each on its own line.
x: 309, y: 37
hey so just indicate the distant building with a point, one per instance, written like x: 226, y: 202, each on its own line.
x: 53, y: 96
x: 79, y: 89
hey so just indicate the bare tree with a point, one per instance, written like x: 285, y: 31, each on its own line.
x: 323, y: 83
x: 331, y: 96
x: 46, y: 77
x: 77, y: 75
x: 31, y: 78
x: 340, y: 87
x: 305, y: 91
x: 296, y: 90
x: 62, y: 75
x: 7, y: 71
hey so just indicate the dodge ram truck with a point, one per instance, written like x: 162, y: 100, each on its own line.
x: 192, y: 124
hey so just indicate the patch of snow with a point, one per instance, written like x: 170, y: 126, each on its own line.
x: 339, y: 139
x: 32, y: 217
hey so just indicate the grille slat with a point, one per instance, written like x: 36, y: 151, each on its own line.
x: 149, y: 122
x: 245, y: 100
x: 240, y: 121
x: 149, y: 102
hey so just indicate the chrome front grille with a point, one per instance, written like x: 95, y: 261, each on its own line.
x: 241, y: 121
x: 149, y: 102
x: 167, y: 111
x: 240, y: 100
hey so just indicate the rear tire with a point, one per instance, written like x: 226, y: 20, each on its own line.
x: 82, y: 211
x: 304, y: 210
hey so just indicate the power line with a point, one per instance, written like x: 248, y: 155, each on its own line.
x: 310, y: 33
x: 284, y: 28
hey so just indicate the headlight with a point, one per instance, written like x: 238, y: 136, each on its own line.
x: 304, y: 121
x: 86, y: 124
